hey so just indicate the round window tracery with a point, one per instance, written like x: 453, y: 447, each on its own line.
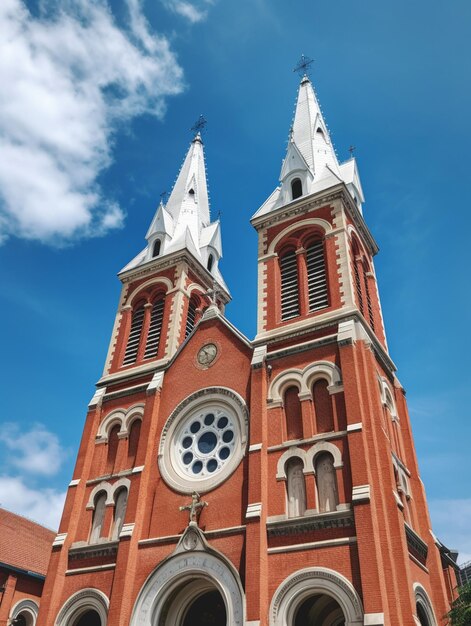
x: 204, y: 440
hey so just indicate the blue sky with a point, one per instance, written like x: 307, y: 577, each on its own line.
x: 94, y: 123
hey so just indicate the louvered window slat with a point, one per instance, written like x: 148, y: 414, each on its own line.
x: 358, y: 286
x: 289, y: 286
x: 316, y: 276
x: 155, y: 329
x: 132, y: 346
x: 368, y: 300
x: 190, y: 318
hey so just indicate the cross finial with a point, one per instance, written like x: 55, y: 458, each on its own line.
x: 194, y: 508
x: 303, y: 65
x: 199, y: 125
x: 352, y: 150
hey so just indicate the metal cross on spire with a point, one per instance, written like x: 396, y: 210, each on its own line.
x: 199, y: 125
x: 164, y: 197
x: 352, y: 151
x: 303, y: 66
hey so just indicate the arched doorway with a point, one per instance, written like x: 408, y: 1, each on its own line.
x: 207, y: 610
x: 90, y: 618
x: 195, y: 602
x: 319, y: 610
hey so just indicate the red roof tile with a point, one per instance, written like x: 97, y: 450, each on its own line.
x: 23, y: 543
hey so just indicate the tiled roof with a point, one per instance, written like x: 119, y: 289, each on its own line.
x: 23, y: 543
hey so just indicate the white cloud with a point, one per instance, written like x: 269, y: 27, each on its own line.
x: 193, y: 11
x: 36, y: 451
x: 40, y: 505
x: 68, y: 79
x: 451, y: 521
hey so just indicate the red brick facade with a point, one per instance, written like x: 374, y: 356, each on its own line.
x: 324, y: 513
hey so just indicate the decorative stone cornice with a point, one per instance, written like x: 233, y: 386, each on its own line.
x: 300, y: 525
x: 78, y: 553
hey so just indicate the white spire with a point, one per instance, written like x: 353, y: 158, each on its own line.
x: 310, y: 156
x: 184, y: 221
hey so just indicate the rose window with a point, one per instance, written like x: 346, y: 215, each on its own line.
x: 205, y: 442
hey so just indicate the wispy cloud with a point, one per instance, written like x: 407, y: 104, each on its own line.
x: 36, y: 451
x: 40, y: 505
x: 194, y: 12
x: 451, y: 523
x: 69, y: 78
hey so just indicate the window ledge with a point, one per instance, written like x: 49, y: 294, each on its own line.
x: 83, y: 550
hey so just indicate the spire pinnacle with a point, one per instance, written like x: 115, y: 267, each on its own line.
x: 303, y: 67
x: 198, y: 127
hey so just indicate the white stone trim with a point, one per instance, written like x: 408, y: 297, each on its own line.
x: 93, y: 568
x: 421, y: 597
x: 123, y: 417
x: 313, y: 545
x: 353, y: 428
x: 138, y: 469
x: 97, y: 398
x: 109, y: 489
x: 292, y: 453
x: 361, y: 493
x: 310, y: 581
x: 152, y: 281
x: 324, y: 446
x: 304, y: 379
x: 387, y: 397
x: 223, y: 398
x: 254, y: 510
x: 82, y: 601
x: 313, y: 221
x: 255, y: 446
x: 28, y: 608
x: 374, y: 619
x: 59, y: 540
x: 336, y: 434
x: 176, y: 312
x: 259, y: 355
x: 127, y: 530
x: 74, y: 483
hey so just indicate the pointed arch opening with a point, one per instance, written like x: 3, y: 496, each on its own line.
x: 296, y: 188
x: 156, y: 248
x: 210, y: 262
x: 155, y: 328
x: 132, y: 346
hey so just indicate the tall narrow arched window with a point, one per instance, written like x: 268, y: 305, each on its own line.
x: 112, y: 450
x: 368, y: 296
x: 98, y: 517
x: 316, y: 275
x: 132, y: 347
x: 326, y: 481
x: 133, y: 442
x: 210, y: 262
x: 356, y: 272
x: 323, y: 407
x: 289, y: 285
x: 156, y: 248
x: 190, y: 316
x: 119, y: 512
x: 294, y: 421
x: 155, y: 329
x: 296, y: 487
x: 296, y: 188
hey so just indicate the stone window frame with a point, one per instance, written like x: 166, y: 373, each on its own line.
x: 110, y: 490
x: 220, y: 396
x: 422, y: 598
x: 26, y: 607
x: 304, y: 379
x: 122, y: 417
x: 306, y: 582
x: 88, y: 599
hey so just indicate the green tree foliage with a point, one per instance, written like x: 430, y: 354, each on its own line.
x: 460, y: 614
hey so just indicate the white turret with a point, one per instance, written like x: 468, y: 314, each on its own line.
x: 310, y: 164
x: 184, y: 221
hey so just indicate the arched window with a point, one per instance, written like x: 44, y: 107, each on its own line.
x: 292, y: 405
x: 326, y: 481
x: 296, y: 487
x: 316, y: 275
x: 155, y: 329
x: 368, y: 295
x: 296, y: 188
x: 156, y: 248
x: 323, y: 407
x: 356, y: 271
x: 289, y: 285
x: 210, y: 262
x: 120, y: 503
x: 98, y: 517
x: 133, y: 441
x: 191, y: 316
x: 134, y: 338
x: 90, y: 618
x: 112, y: 451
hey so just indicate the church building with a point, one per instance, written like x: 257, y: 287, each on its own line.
x: 224, y: 481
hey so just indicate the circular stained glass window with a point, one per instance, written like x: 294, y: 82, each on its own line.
x: 205, y: 442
